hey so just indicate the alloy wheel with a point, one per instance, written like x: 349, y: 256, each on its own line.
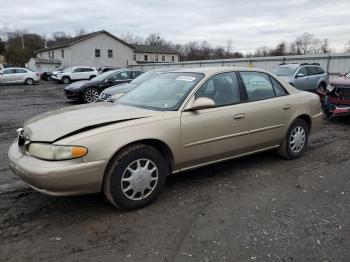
x: 91, y: 95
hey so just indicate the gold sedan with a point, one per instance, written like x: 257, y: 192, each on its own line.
x: 174, y: 122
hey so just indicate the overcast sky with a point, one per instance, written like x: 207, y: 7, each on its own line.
x: 249, y: 23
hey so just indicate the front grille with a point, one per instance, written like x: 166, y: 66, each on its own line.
x: 344, y: 92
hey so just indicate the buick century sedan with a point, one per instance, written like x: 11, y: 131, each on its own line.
x: 174, y: 122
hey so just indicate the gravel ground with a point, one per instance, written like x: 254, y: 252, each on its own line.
x: 258, y: 208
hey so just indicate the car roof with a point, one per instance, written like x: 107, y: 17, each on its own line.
x: 15, y: 68
x: 215, y: 70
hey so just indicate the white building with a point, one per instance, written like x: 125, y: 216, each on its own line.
x: 42, y: 65
x: 98, y: 49
x: 154, y: 54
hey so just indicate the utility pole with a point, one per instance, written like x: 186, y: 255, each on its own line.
x: 22, y: 42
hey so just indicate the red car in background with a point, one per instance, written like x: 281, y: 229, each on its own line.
x: 335, y: 98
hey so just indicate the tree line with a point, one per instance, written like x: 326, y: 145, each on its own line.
x: 19, y: 46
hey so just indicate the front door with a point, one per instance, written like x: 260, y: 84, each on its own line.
x: 8, y: 76
x: 216, y: 133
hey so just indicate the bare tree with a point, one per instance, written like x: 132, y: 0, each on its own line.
x: 132, y: 39
x: 155, y: 39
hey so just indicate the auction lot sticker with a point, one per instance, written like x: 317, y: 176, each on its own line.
x: 186, y: 78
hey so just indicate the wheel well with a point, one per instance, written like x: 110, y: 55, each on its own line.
x: 65, y: 76
x: 322, y: 83
x: 306, y: 119
x: 162, y: 147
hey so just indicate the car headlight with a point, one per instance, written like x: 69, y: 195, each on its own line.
x: 330, y: 88
x: 56, y: 152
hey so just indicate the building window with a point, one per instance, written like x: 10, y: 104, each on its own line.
x: 146, y: 57
x: 52, y: 54
x: 62, y: 53
x: 98, y: 53
x: 134, y: 57
x: 163, y: 58
x: 173, y: 58
x: 156, y: 58
x: 110, y: 53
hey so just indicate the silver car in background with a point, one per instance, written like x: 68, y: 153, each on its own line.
x: 306, y: 77
x: 18, y: 75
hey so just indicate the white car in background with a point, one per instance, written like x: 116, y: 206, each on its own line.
x: 74, y: 73
x: 18, y: 75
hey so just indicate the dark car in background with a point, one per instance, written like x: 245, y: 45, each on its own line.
x: 46, y: 76
x: 89, y: 91
x: 106, y: 69
x: 108, y: 93
x: 335, y: 98
x: 305, y: 76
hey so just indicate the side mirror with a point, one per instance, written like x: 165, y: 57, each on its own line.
x: 202, y: 103
x: 299, y: 75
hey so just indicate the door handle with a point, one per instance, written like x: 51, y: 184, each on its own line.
x: 239, y: 116
x: 286, y: 107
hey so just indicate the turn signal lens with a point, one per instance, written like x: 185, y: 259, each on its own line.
x: 78, y: 151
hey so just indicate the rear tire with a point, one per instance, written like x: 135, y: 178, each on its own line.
x: 65, y: 80
x: 296, y: 140
x: 135, y: 177
x: 29, y: 81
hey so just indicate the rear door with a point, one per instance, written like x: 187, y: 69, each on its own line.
x: 86, y: 73
x: 270, y: 110
x: 20, y: 75
x: 76, y: 74
x: 215, y: 133
x: 314, y: 75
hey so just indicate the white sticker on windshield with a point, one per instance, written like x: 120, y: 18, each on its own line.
x: 186, y: 78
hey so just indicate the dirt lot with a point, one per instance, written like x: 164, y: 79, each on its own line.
x: 259, y: 208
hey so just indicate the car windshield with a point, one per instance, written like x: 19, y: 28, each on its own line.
x: 104, y: 75
x: 284, y: 70
x: 68, y: 69
x: 145, y: 76
x: 165, y: 92
x: 347, y: 75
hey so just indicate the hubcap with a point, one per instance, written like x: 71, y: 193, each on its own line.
x: 139, y: 179
x: 91, y: 95
x: 297, y: 139
x: 29, y: 82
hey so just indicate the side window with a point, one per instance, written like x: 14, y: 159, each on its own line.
x: 77, y: 70
x: 279, y: 90
x: 20, y: 71
x: 223, y: 89
x: 9, y: 71
x: 258, y: 85
x: 136, y: 74
x: 87, y: 70
x: 312, y: 70
x: 119, y: 76
x: 303, y: 71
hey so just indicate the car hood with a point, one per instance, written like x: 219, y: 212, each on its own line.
x: 342, y: 81
x: 119, y: 89
x: 67, y: 121
x: 76, y: 84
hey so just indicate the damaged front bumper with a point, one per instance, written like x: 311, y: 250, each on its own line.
x: 334, y: 106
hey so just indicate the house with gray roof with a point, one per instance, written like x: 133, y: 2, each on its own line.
x: 97, y: 49
x: 154, y: 54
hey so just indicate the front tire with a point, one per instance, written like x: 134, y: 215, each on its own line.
x: 65, y: 80
x: 135, y: 177
x: 90, y: 95
x: 296, y: 140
